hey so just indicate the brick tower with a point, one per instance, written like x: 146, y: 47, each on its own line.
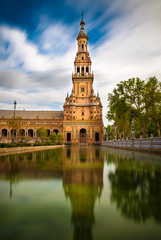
x: 82, y: 121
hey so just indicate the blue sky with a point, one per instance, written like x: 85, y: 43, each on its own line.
x: 38, y: 46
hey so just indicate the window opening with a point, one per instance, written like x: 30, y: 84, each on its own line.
x: 82, y: 89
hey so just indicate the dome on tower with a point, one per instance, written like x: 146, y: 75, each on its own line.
x: 82, y: 33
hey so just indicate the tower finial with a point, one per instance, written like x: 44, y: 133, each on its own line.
x: 82, y: 15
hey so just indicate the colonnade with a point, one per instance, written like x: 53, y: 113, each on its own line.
x: 7, y: 133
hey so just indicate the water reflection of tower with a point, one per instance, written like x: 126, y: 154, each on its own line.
x: 83, y: 183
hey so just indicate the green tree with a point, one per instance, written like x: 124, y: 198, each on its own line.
x: 42, y: 133
x: 152, y: 98
x: 15, y: 123
x: 60, y: 137
x: 144, y: 98
x: 111, y: 132
x: 53, y: 137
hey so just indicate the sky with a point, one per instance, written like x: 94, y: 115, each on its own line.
x: 38, y: 46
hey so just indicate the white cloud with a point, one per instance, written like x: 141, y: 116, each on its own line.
x: 13, y: 79
x: 22, y: 52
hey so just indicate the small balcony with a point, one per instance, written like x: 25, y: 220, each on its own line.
x: 82, y: 75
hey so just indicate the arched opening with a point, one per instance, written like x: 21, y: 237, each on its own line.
x: 13, y: 132
x: 86, y: 69
x: 30, y: 133
x: 82, y: 47
x: 56, y: 131
x: 48, y: 132
x: 82, y: 70
x: 22, y: 132
x: 4, y: 132
x: 83, y: 135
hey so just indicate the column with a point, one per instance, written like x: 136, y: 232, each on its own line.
x: 75, y: 68
x: 80, y: 69
x: 0, y: 133
x: 84, y: 69
x: 89, y: 68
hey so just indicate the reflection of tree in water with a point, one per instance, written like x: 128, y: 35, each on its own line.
x: 136, y: 190
x: 83, y: 183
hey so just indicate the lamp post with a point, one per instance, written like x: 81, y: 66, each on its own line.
x: 115, y: 130
x: 107, y: 133
x: 132, y: 128
x: 132, y: 125
x: 13, y: 134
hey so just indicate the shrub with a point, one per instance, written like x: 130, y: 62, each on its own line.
x: 9, y: 145
x: 60, y: 137
x: 38, y: 144
x: 23, y: 138
x: 48, y: 142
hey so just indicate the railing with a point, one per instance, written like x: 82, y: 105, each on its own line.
x: 152, y: 142
x: 82, y: 75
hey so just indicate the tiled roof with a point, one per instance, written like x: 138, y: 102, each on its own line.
x: 32, y: 114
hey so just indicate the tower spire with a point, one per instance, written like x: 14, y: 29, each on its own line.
x: 82, y: 32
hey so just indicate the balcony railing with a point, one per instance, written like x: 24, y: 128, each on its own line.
x: 81, y: 75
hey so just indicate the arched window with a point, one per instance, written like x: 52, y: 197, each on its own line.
x: 4, y: 132
x: 48, y: 132
x: 21, y: 132
x: 30, y: 133
x: 56, y: 131
x: 13, y: 132
x: 87, y: 69
x: 82, y: 46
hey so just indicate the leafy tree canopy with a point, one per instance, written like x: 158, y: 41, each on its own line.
x: 144, y: 98
x: 42, y: 133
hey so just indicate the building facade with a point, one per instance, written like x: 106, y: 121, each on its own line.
x: 81, y: 120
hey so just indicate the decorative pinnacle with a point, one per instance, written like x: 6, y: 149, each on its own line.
x: 82, y: 23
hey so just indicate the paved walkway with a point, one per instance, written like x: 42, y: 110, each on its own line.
x: 15, y: 150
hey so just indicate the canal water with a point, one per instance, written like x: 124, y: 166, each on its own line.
x: 80, y: 193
